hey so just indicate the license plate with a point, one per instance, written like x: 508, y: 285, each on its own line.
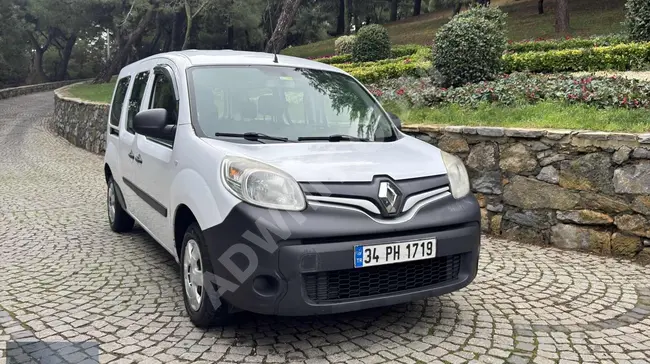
x: 369, y: 255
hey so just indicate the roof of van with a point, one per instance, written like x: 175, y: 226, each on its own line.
x: 189, y: 58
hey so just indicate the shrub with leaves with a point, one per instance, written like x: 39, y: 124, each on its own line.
x: 621, y: 57
x: 519, y: 88
x: 344, y: 44
x: 568, y: 43
x: 638, y: 19
x: 469, y: 47
x: 372, y: 44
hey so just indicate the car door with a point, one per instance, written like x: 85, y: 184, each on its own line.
x: 156, y: 170
x: 128, y: 164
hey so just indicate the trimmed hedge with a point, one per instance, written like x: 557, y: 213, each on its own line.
x: 637, y: 19
x: 344, y: 44
x: 417, y: 65
x: 469, y: 47
x: 620, y: 57
x: 558, y: 44
x: 372, y: 44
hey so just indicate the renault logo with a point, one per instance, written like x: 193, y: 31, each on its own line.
x: 390, y: 197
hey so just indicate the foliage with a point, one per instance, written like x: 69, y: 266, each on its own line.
x: 405, y: 50
x: 588, y: 18
x: 372, y: 44
x: 417, y: 65
x: 469, y: 47
x: 619, y: 57
x: 638, y: 19
x: 547, y: 114
x: 344, y: 44
x: 519, y: 89
x: 568, y: 43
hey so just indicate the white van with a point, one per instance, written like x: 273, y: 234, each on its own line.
x: 281, y: 186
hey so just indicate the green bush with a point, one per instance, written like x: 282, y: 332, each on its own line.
x: 638, y: 19
x: 469, y: 47
x: 620, y: 57
x: 573, y: 43
x: 344, y: 45
x: 344, y: 58
x: 372, y: 44
x: 416, y: 65
x: 405, y: 50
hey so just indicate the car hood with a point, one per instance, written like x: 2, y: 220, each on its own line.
x: 405, y: 158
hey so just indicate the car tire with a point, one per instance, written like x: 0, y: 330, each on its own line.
x: 194, y: 263
x: 118, y: 218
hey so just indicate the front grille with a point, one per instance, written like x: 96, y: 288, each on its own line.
x: 371, y: 281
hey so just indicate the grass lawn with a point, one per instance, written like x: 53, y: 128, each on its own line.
x: 542, y: 115
x: 588, y: 17
x: 99, y: 93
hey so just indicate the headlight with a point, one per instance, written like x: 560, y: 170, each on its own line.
x: 261, y: 184
x: 458, y: 179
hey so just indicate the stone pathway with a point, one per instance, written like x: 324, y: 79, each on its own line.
x: 72, y: 288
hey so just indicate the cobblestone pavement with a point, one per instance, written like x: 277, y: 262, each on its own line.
x: 65, y: 277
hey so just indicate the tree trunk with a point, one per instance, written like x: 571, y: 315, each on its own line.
x: 417, y: 7
x: 62, y: 72
x: 540, y: 6
x: 177, y: 30
x: 346, y: 16
x: 393, y: 10
x: 562, y: 16
x: 231, y: 37
x: 279, y: 37
x: 340, y: 19
x: 123, y: 51
x: 36, y: 73
x: 188, y: 22
x: 457, y: 7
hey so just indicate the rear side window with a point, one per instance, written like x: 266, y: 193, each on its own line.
x: 139, y: 85
x: 118, y: 100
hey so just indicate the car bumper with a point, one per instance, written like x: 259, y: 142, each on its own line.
x: 303, y: 264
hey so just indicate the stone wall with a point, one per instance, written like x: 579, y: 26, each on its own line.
x: 585, y: 191
x: 30, y: 89
x: 82, y: 123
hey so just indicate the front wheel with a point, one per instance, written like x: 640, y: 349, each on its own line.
x: 199, y: 300
x: 118, y: 218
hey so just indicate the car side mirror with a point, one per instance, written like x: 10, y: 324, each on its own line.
x: 153, y: 123
x: 396, y: 120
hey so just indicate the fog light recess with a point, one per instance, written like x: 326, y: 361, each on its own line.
x: 266, y: 285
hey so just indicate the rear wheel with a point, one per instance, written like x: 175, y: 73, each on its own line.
x: 119, y: 220
x: 199, y: 300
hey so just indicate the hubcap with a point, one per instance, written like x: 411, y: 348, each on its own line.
x: 193, y: 269
x: 111, y: 202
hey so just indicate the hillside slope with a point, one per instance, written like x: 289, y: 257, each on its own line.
x: 588, y: 17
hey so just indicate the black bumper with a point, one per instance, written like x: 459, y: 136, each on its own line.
x: 305, y: 261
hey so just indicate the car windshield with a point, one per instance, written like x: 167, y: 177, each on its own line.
x: 294, y: 103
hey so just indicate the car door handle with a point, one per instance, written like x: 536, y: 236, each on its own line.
x: 138, y: 159
x: 131, y: 155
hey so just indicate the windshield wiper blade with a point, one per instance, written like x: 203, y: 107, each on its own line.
x: 253, y: 136
x: 335, y: 138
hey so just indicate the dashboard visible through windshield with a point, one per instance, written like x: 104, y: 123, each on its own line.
x: 284, y: 102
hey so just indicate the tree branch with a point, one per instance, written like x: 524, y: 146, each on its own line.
x: 200, y: 8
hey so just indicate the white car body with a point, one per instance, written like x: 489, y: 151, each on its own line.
x: 158, y: 182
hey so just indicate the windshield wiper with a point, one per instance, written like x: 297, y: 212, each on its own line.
x: 335, y: 138
x: 253, y: 136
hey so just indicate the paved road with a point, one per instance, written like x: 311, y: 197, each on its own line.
x: 68, y: 281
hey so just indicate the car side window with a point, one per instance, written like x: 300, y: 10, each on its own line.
x: 139, y: 85
x: 118, y: 100
x: 163, y: 96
